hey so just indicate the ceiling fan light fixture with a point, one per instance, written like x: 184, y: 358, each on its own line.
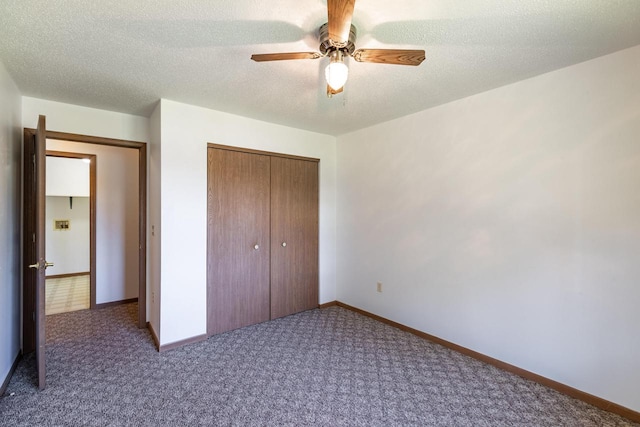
x: 337, y: 71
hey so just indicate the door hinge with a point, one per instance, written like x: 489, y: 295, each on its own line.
x: 34, y: 237
x: 33, y: 158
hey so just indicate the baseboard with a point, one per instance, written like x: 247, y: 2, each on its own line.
x: 114, y: 303
x: 156, y: 341
x: 5, y: 383
x: 547, y: 382
x: 176, y: 344
x: 62, y: 276
x: 328, y: 304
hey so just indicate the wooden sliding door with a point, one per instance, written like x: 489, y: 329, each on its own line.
x: 294, y: 236
x: 238, y: 240
x: 262, y: 255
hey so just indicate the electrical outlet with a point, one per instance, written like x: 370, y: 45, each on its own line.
x: 379, y: 288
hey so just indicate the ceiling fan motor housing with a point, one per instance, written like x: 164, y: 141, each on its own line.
x: 327, y: 45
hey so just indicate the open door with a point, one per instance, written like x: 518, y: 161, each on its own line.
x: 34, y: 246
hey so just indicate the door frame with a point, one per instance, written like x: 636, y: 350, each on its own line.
x: 142, y: 203
x: 92, y: 214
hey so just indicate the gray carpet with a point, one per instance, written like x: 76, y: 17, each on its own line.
x: 328, y: 367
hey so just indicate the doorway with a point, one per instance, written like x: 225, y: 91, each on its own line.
x: 70, y: 235
x: 140, y: 148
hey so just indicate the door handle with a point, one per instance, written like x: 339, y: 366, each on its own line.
x: 37, y: 265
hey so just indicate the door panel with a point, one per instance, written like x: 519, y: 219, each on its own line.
x: 29, y: 256
x: 238, y: 216
x: 34, y: 247
x: 294, y: 236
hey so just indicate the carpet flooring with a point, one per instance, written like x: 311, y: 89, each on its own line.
x: 329, y: 367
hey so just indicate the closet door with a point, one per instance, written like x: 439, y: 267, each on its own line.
x: 238, y: 240
x: 294, y: 236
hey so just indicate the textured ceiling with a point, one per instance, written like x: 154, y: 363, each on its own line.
x: 124, y: 55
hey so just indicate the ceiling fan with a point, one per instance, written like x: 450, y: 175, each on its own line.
x: 337, y: 40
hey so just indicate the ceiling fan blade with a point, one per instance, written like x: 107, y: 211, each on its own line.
x: 389, y: 56
x: 340, y: 15
x: 261, y: 57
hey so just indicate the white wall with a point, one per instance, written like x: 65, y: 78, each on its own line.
x: 186, y: 130
x: 84, y: 120
x: 69, y: 248
x: 508, y: 223
x: 10, y: 171
x: 116, y: 218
